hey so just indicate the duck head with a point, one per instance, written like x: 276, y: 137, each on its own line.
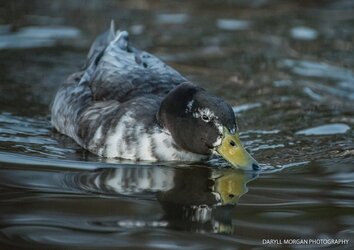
x: 203, y: 124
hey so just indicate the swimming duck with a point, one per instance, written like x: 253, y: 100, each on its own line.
x: 128, y: 104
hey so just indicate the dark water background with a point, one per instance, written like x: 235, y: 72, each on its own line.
x: 287, y: 67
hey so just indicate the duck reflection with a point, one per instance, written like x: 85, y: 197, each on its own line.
x: 194, y: 198
x: 117, y: 199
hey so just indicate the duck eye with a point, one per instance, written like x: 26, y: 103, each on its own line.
x: 232, y: 143
x: 205, y: 118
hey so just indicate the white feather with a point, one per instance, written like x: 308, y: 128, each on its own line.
x: 144, y: 147
x: 114, y: 142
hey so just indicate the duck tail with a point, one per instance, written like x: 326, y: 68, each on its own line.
x: 109, y: 40
x: 102, y: 41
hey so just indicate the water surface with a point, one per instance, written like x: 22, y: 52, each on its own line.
x: 286, y: 67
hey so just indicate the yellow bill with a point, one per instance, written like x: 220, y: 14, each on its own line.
x: 233, y: 151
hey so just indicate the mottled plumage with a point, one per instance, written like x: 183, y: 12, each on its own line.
x: 127, y: 103
x: 110, y: 108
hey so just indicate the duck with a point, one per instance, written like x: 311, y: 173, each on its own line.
x: 126, y: 103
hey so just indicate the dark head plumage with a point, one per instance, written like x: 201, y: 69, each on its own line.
x: 202, y: 123
x: 195, y: 118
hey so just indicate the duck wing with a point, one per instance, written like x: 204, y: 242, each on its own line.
x: 117, y: 71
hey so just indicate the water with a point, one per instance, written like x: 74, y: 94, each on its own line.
x: 286, y: 67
